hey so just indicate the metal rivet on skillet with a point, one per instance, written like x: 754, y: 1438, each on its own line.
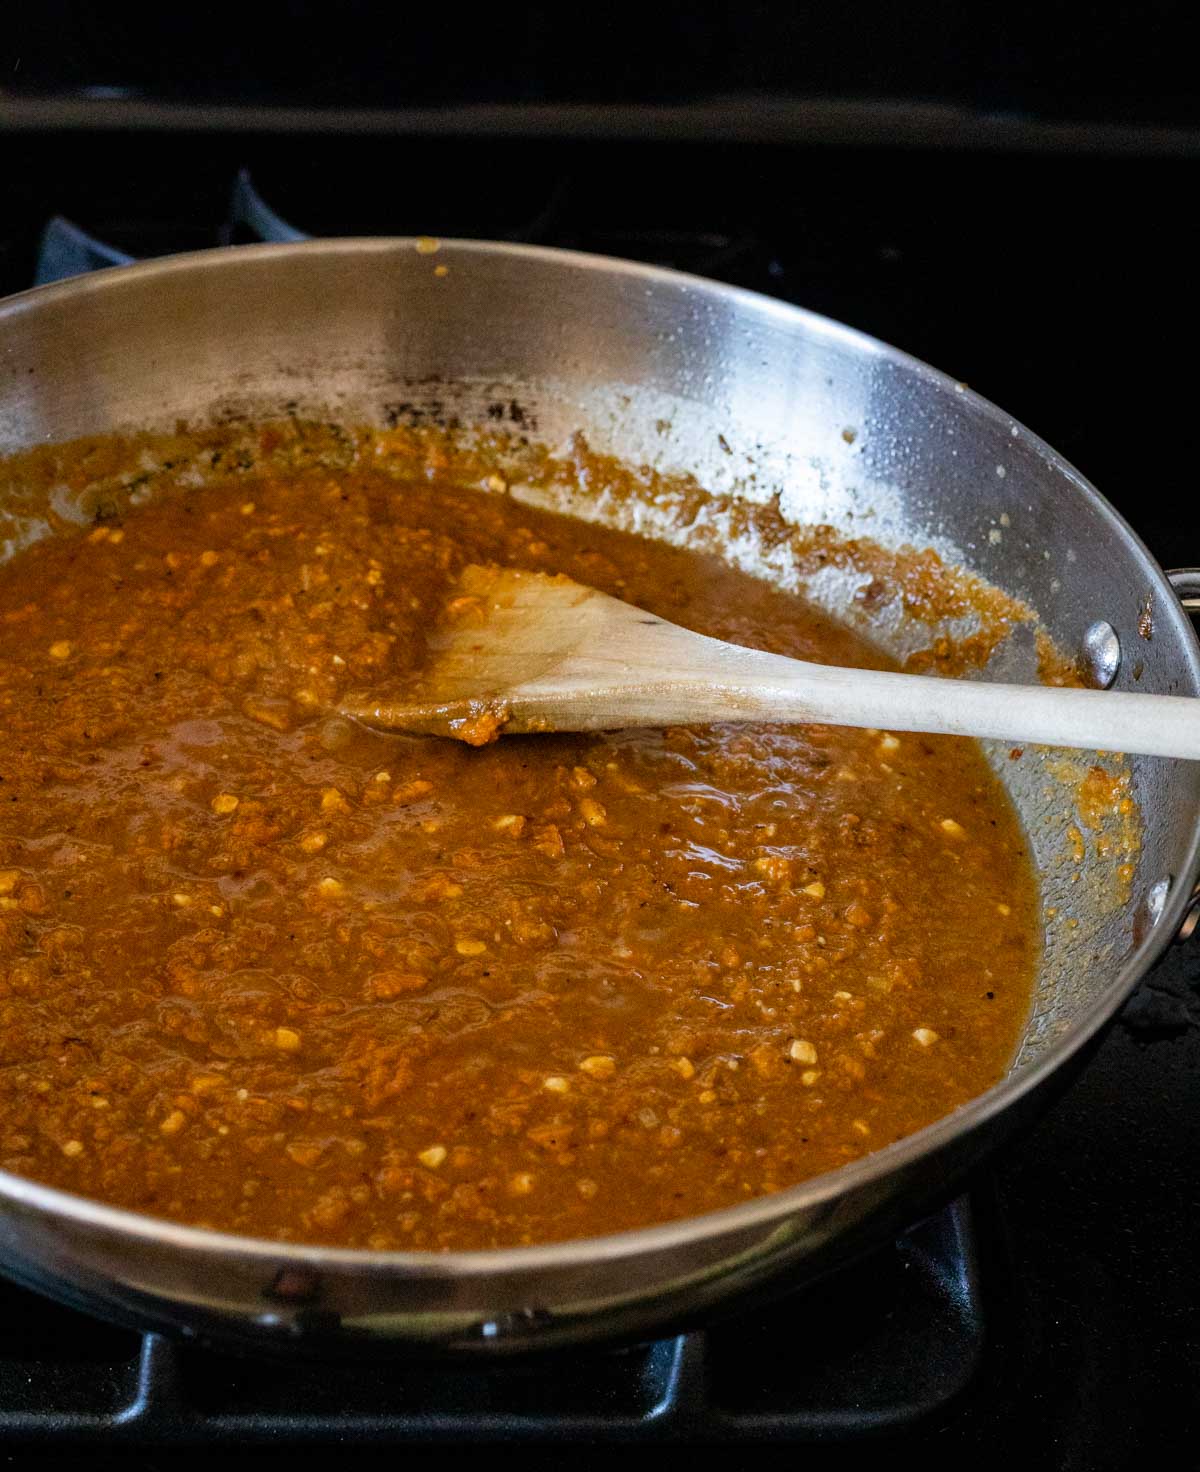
x: 1101, y: 654
x: 1156, y: 898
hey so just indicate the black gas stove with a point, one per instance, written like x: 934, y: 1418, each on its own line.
x: 1053, y: 1316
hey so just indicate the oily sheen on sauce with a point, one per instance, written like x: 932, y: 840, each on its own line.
x: 266, y: 971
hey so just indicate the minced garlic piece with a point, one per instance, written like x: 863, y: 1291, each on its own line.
x: 594, y: 813
x: 333, y: 801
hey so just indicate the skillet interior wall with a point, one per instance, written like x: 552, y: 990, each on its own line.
x: 758, y: 403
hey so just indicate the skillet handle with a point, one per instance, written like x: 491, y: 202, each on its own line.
x: 1186, y: 582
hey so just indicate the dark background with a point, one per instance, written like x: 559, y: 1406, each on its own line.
x: 1008, y: 192
x: 1058, y: 60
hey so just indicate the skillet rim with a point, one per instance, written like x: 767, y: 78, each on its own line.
x: 765, y: 1211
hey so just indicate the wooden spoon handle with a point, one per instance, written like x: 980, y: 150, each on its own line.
x: 781, y: 689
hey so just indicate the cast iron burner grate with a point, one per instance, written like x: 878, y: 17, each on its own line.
x: 543, y: 216
x: 880, y: 1345
x: 68, y: 250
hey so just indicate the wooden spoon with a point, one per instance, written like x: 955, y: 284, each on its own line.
x: 522, y: 652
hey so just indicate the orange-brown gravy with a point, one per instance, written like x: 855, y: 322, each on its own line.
x: 264, y: 970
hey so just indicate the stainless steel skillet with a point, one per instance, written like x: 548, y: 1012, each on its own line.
x: 754, y: 398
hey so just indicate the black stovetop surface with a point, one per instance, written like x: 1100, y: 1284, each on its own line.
x: 1055, y: 1318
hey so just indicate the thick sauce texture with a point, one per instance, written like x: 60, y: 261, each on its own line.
x: 264, y: 970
